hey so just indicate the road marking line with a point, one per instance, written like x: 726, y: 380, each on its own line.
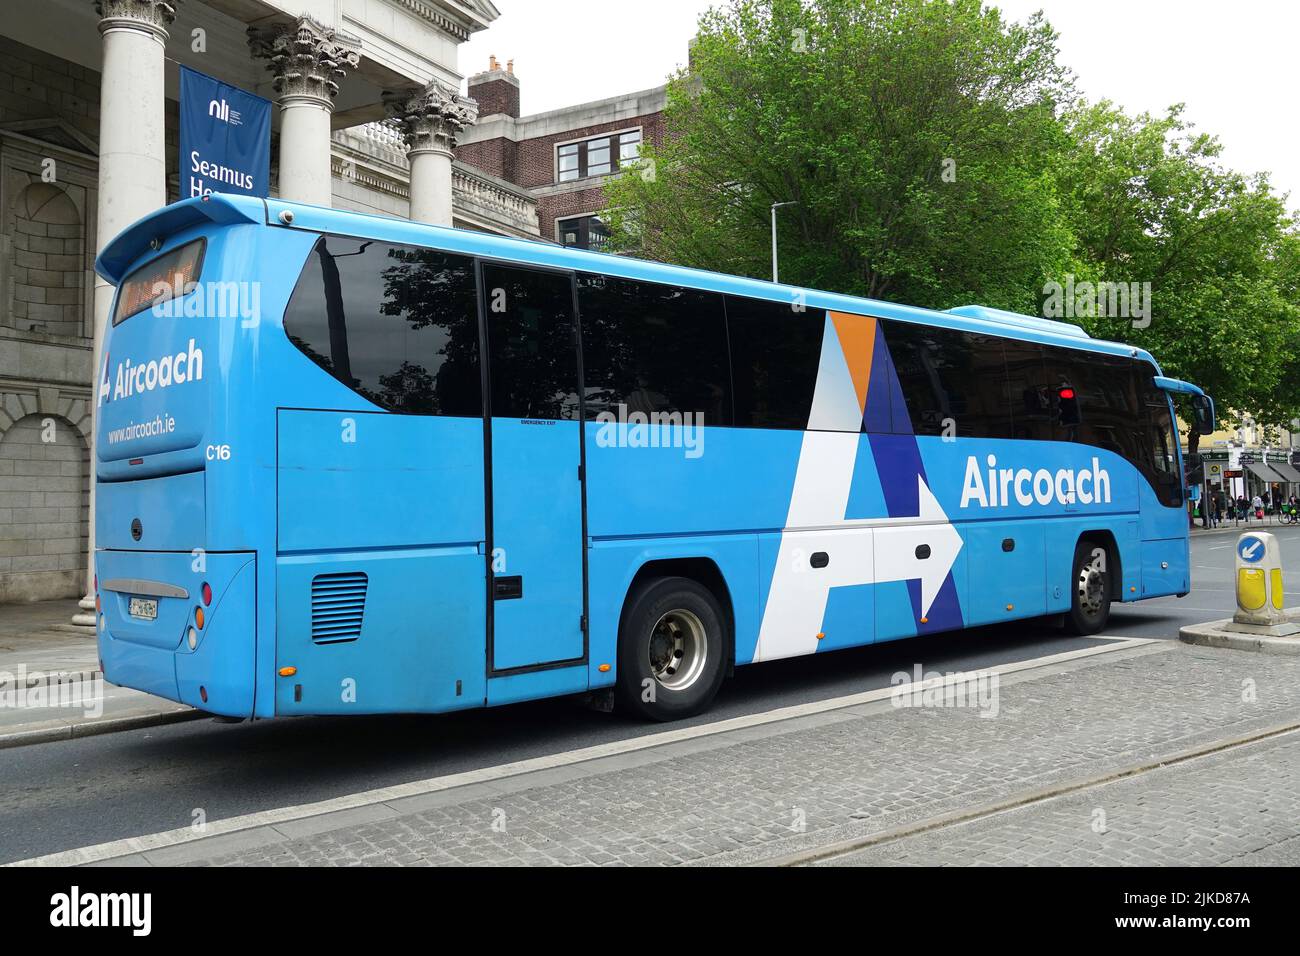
x: 169, y: 838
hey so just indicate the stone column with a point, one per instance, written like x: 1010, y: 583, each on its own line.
x: 308, y: 60
x: 431, y: 120
x: 132, y: 163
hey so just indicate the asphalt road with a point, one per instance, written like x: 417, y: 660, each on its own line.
x: 73, y: 793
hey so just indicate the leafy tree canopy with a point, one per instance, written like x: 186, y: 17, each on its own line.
x: 939, y: 155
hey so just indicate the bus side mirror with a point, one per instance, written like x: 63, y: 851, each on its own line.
x: 1203, y: 414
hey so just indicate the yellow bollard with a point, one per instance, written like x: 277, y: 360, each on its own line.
x: 1259, y: 580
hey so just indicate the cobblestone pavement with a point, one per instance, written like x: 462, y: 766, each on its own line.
x: 1239, y: 807
x: 765, y: 791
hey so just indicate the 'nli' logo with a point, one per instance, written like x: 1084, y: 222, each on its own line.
x: 222, y: 111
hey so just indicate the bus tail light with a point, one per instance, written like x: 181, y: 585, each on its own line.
x: 198, y: 617
x: 207, y: 593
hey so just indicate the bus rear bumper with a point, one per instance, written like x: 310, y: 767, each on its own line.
x: 155, y: 655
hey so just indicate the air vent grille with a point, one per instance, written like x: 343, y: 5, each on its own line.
x: 338, y: 603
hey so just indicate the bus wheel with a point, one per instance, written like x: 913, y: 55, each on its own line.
x: 1090, y: 589
x: 670, y: 650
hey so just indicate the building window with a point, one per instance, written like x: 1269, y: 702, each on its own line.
x: 584, y: 232
x: 598, y: 156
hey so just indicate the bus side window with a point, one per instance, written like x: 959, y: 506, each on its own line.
x: 1033, y: 395
x: 775, y: 355
x: 920, y: 365
x: 396, y: 324
x: 954, y: 382
x: 650, y: 348
x: 533, y: 364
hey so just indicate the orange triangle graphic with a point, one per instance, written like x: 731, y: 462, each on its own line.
x: 857, y: 335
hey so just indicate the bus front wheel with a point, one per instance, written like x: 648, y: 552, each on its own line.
x: 670, y: 650
x: 1089, y: 589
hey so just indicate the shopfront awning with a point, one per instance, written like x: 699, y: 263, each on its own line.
x: 1288, y: 472
x: 1264, y: 472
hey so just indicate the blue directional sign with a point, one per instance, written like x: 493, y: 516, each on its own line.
x: 1250, y: 549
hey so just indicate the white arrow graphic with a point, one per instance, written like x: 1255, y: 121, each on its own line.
x: 1249, y: 551
x: 864, y: 551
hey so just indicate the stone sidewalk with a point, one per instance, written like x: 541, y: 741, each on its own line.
x: 50, y: 684
x: 792, y: 785
x: 1238, y: 807
x: 29, y: 639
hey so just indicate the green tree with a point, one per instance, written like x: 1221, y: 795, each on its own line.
x: 918, y: 137
x: 1151, y: 203
x: 938, y: 156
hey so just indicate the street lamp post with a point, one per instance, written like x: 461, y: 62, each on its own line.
x: 775, y: 207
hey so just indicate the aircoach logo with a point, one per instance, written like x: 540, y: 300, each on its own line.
x: 184, y: 366
x: 1065, y: 486
x: 74, y: 909
x: 222, y: 111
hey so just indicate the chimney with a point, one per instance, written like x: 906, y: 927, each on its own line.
x: 496, y: 90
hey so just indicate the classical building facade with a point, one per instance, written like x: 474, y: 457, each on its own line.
x: 367, y: 115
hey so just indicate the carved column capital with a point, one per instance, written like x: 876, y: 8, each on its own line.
x: 308, y: 59
x: 147, y: 16
x: 431, y: 118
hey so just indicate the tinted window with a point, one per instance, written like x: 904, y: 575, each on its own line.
x: 653, y: 348
x: 1106, y: 409
x: 534, y: 359
x: 775, y: 353
x: 1033, y: 395
x: 948, y: 374
x: 396, y: 324
x: 1159, y: 458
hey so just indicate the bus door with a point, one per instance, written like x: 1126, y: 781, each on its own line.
x: 535, y: 486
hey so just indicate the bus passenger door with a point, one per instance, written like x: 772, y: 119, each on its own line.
x: 535, y: 487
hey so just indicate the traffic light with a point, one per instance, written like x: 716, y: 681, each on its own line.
x: 1067, y: 407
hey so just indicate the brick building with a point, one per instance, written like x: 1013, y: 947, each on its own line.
x: 561, y: 157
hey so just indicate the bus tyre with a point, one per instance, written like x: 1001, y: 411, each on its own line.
x: 1089, y: 589
x: 670, y: 650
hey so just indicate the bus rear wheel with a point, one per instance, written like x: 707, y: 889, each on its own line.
x: 1089, y: 589
x: 670, y: 650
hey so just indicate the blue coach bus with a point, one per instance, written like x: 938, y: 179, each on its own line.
x: 349, y: 464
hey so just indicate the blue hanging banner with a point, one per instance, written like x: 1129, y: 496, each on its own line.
x: 225, y: 138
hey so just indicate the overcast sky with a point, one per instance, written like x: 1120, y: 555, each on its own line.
x: 1233, y: 63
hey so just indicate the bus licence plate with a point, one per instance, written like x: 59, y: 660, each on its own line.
x: 146, y: 608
